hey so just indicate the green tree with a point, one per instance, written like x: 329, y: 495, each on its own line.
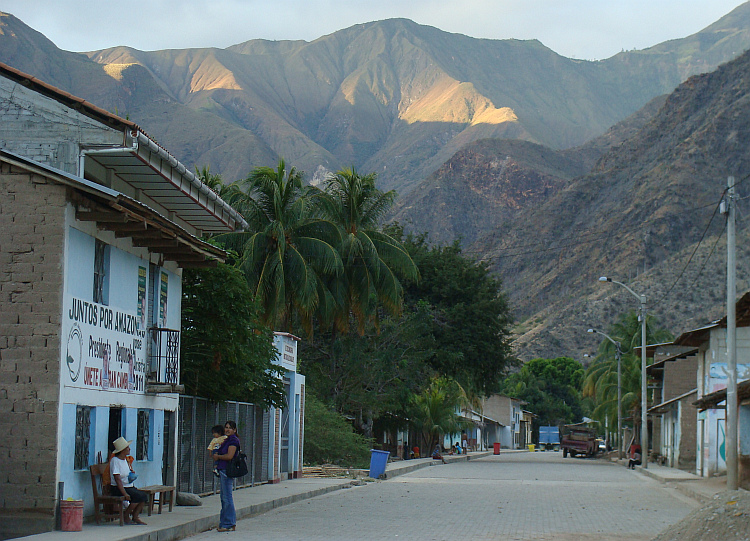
x: 366, y: 376
x: 435, y: 411
x: 287, y: 250
x: 225, y: 353
x: 600, y: 382
x: 471, y: 318
x: 371, y: 258
x: 551, y: 388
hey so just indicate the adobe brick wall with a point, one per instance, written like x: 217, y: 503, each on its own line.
x: 32, y: 219
x: 688, y: 430
x: 680, y: 377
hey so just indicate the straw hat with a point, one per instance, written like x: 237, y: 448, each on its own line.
x: 120, y: 444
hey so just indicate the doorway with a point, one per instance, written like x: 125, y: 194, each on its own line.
x: 115, y: 427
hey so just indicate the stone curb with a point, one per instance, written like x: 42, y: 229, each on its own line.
x: 426, y: 463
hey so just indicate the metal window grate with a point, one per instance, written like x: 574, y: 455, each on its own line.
x: 143, y: 436
x: 83, y: 431
x: 99, y: 275
x: 165, y: 356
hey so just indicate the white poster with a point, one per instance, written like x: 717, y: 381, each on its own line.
x: 104, y: 347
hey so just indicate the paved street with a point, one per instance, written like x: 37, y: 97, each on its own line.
x: 514, y: 496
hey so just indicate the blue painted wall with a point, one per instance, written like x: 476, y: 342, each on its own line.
x: 78, y: 482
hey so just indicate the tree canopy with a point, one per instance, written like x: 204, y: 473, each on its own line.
x: 226, y: 352
x: 471, y: 319
x: 551, y: 389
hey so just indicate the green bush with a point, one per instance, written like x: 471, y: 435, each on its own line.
x: 330, y: 438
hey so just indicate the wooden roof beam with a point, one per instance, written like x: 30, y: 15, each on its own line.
x: 102, y: 217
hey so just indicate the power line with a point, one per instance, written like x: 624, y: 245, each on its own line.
x: 703, y: 236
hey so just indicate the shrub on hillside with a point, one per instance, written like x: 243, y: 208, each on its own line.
x: 330, y: 438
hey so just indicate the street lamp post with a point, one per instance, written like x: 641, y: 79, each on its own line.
x: 644, y: 388
x: 618, y: 356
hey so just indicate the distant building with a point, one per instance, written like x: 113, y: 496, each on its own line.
x: 510, y: 427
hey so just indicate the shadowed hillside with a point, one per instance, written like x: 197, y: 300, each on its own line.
x: 637, y: 216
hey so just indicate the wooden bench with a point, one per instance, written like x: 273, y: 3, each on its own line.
x: 105, y: 506
x: 163, y: 491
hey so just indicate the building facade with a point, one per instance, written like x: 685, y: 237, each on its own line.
x: 287, y: 429
x: 99, y: 222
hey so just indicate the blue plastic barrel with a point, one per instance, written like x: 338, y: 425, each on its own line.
x: 378, y: 460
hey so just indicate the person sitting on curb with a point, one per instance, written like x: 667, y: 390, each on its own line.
x: 437, y: 454
x: 635, y: 457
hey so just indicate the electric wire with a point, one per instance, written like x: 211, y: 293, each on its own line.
x: 700, y: 241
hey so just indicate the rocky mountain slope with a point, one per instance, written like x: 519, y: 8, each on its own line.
x: 392, y: 96
x: 488, y: 185
x: 637, y: 217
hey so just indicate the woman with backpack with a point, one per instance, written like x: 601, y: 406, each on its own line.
x: 225, y: 454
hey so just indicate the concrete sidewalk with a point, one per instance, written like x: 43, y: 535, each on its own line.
x: 186, y: 521
x: 701, y: 489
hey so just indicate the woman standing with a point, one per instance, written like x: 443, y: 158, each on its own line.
x: 122, y: 481
x: 231, y: 445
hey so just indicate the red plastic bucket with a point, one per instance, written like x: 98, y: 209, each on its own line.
x: 71, y: 515
x: 496, y: 448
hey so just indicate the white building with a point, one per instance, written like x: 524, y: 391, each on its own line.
x: 98, y: 220
x: 288, y: 424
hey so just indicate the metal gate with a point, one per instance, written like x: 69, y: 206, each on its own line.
x: 194, y: 465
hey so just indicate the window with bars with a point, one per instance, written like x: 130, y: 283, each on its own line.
x: 143, y: 437
x: 83, y: 436
x: 101, y: 266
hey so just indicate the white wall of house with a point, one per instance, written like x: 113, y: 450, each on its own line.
x: 286, y: 454
x: 111, y: 333
x: 711, y: 436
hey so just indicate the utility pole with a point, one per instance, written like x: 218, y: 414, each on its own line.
x: 731, y: 411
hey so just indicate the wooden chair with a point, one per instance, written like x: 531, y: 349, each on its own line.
x: 105, y: 506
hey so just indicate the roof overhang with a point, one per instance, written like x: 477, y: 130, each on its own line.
x: 712, y: 400
x: 651, y: 348
x: 158, y: 175
x: 126, y: 217
x: 659, y: 365
x: 144, y: 164
x: 664, y: 406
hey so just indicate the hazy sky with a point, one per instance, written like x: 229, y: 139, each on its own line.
x: 588, y: 29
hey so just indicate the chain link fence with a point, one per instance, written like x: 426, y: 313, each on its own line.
x: 196, y: 418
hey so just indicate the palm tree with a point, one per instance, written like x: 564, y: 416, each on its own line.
x: 372, y: 260
x: 434, y: 411
x: 600, y: 381
x: 286, y: 251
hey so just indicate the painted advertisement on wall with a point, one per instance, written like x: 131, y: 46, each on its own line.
x: 142, y: 306
x: 104, y: 347
x: 163, y: 290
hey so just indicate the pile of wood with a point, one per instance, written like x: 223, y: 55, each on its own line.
x: 331, y: 471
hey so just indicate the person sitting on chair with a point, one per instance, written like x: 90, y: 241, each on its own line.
x: 122, y: 479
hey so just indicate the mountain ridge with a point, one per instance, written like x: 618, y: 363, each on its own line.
x: 392, y: 96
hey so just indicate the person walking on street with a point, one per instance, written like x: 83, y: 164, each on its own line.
x: 230, y: 446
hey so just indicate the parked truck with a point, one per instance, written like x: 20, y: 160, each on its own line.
x: 578, y: 440
x: 549, y: 438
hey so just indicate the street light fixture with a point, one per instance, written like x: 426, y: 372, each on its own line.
x: 644, y: 388
x: 618, y: 356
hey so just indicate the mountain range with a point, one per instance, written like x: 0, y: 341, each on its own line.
x: 553, y: 170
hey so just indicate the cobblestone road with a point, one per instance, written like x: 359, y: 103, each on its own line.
x: 514, y: 496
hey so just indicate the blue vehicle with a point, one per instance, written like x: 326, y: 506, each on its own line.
x: 549, y: 438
